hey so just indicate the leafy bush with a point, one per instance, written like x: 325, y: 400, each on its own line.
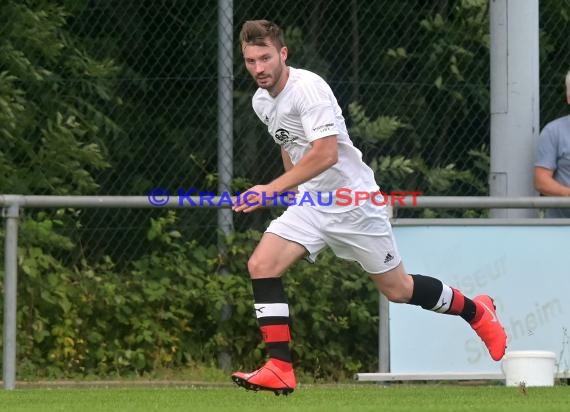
x: 166, y: 310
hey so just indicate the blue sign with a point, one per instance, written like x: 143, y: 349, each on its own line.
x: 526, y: 269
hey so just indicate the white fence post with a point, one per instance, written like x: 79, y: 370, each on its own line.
x: 11, y: 215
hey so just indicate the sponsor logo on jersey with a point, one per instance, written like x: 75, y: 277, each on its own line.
x: 323, y: 128
x: 283, y: 136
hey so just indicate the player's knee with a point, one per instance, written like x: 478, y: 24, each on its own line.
x: 396, y: 285
x: 397, y: 292
x: 258, y: 267
x: 396, y: 295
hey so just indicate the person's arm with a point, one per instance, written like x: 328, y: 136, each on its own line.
x: 287, y: 163
x: 322, y: 155
x: 545, y: 184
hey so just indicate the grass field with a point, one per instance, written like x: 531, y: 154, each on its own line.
x: 308, y: 398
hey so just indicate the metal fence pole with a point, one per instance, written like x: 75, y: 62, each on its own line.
x: 514, y: 34
x: 384, y: 324
x: 225, y: 138
x: 225, y: 108
x: 11, y: 214
x: 384, y: 335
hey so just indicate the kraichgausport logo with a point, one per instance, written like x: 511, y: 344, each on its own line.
x: 341, y: 197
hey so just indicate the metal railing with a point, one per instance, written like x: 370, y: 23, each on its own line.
x: 11, y: 205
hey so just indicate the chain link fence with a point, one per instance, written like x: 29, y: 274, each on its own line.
x: 119, y: 97
x: 554, y: 58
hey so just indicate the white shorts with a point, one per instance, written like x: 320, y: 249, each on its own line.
x: 363, y: 234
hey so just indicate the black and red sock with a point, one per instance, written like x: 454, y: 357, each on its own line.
x: 432, y: 294
x: 272, y: 311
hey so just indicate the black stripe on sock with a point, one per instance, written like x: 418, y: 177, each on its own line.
x: 273, y: 320
x: 469, y: 310
x: 280, y: 350
x: 268, y: 290
x: 427, y: 291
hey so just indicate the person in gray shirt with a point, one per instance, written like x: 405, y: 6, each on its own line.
x: 552, y: 164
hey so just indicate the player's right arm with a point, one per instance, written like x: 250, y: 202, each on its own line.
x: 287, y: 163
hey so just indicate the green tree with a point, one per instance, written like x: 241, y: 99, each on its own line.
x: 52, y: 103
x: 54, y: 100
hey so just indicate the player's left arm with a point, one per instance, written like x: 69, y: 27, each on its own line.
x: 322, y: 155
x: 317, y: 116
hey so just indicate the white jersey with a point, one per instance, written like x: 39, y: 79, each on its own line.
x: 307, y: 110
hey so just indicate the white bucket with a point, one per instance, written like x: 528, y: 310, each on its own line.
x: 529, y: 368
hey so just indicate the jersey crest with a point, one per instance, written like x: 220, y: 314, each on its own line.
x: 283, y: 136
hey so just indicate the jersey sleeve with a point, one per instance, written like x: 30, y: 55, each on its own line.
x: 547, y: 149
x: 316, y: 109
x: 257, y: 104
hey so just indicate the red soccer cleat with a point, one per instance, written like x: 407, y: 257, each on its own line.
x: 489, y: 328
x: 276, y: 375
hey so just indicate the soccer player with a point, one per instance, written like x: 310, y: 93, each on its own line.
x: 302, y: 115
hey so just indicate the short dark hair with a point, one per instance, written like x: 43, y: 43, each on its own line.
x: 256, y: 33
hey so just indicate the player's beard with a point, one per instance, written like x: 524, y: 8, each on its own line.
x: 274, y: 78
